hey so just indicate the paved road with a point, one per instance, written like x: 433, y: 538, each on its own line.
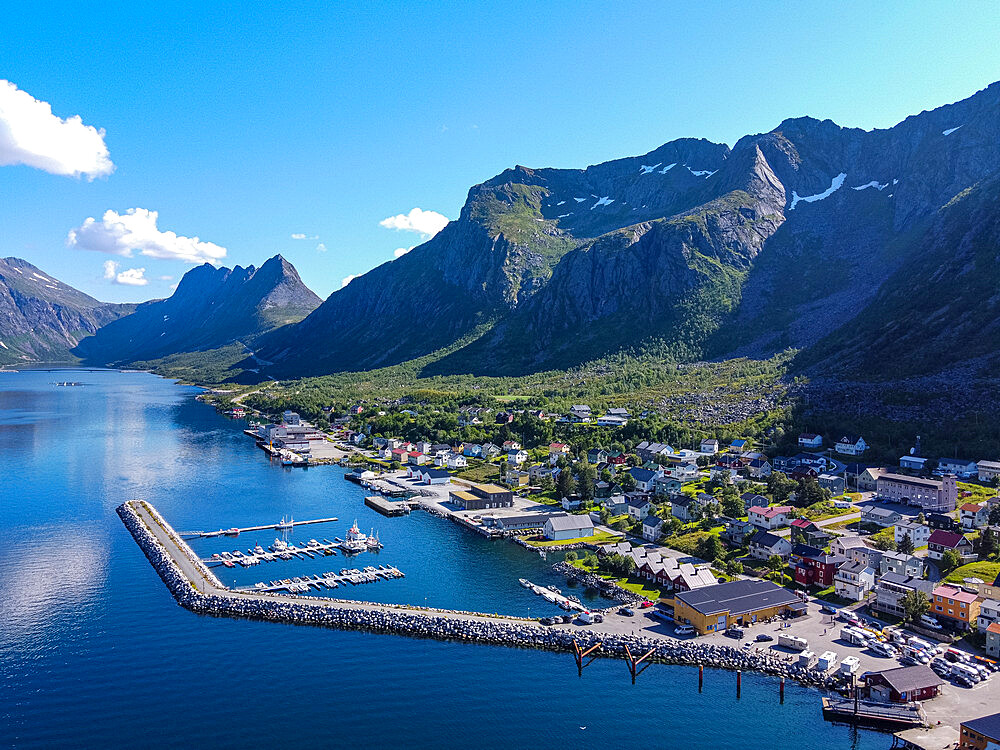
x: 825, y: 522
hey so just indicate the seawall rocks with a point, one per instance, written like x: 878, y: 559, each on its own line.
x: 439, y: 624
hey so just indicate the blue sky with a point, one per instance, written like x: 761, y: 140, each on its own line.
x: 244, y: 127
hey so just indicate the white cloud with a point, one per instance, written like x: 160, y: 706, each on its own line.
x: 427, y: 223
x: 126, y: 277
x: 122, y: 234
x: 321, y: 247
x: 399, y: 252
x: 30, y: 134
x: 348, y: 279
x: 165, y: 278
x: 302, y: 236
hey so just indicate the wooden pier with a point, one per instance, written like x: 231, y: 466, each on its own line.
x: 237, y: 531
x: 301, y: 584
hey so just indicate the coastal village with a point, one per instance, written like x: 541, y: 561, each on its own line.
x: 884, y: 578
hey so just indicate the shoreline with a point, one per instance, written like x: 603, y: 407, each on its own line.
x: 214, y: 599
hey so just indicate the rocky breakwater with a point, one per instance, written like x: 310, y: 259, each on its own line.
x: 608, y: 589
x: 466, y: 627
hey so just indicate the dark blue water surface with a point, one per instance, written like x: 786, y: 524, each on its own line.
x: 94, y: 652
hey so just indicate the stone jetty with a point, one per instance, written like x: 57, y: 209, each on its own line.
x: 197, y: 589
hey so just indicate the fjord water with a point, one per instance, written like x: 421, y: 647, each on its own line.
x: 94, y: 652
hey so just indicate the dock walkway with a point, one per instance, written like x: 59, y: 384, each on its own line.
x: 236, y: 532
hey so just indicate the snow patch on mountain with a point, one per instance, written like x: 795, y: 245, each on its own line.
x: 605, y: 201
x: 835, y: 185
x: 644, y: 169
x: 579, y: 200
x: 874, y: 183
x: 949, y: 131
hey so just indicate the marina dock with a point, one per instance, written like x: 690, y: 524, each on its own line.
x: 300, y: 584
x: 872, y: 714
x: 280, y: 526
x: 554, y: 596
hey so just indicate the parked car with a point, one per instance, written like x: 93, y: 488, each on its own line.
x: 929, y: 622
x: 684, y: 630
x: 627, y: 611
x: 598, y: 617
x: 735, y: 632
x: 763, y: 637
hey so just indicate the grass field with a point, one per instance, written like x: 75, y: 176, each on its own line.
x: 599, y: 538
x: 986, y: 571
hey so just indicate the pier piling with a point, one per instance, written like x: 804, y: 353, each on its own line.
x: 739, y: 676
x: 781, y: 690
x: 579, y: 655
x: 701, y: 676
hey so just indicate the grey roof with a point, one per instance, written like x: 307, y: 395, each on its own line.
x: 872, y: 510
x: 988, y: 726
x: 538, y: 518
x: 738, y: 597
x: 855, y: 567
x: 765, y: 539
x: 566, y: 522
x: 908, y: 679
x: 910, y: 582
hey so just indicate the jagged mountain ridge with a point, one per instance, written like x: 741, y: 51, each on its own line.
x: 706, y: 251
x: 211, y: 308
x: 41, y: 318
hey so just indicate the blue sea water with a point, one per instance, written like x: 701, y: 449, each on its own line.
x: 94, y: 652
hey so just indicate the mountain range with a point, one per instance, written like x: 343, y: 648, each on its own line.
x: 843, y: 243
x: 41, y: 318
x: 873, y: 253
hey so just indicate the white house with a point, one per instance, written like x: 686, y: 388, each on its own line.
x: 453, y: 461
x: 571, y: 502
x: 974, y: 515
x: 851, y: 445
x: 652, y: 528
x: 918, y: 532
x: 562, y: 526
x: 770, y: 518
x: 435, y: 476
x: 853, y: 581
x: 988, y: 470
x: 763, y: 544
x: 610, y: 420
x: 710, y: 445
x: 810, y: 441
x: 517, y: 457
x: 639, y: 508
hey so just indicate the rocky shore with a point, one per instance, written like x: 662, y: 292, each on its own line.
x: 608, y: 589
x: 441, y: 624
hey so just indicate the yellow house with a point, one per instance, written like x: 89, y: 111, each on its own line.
x: 712, y: 609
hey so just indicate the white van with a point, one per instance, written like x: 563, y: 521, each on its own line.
x: 684, y: 630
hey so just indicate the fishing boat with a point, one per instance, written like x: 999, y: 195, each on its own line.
x: 524, y: 582
x: 258, y: 550
x: 356, y: 541
x: 232, y: 532
x: 283, y: 524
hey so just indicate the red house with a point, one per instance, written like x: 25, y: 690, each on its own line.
x: 904, y: 684
x: 813, y: 566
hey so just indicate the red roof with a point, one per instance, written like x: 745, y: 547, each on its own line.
x: 953, y: 592
x: 771, y: 512
x: 993, y: 628
x: 972, y: 507
x: 557, y: 447
x: 945, y: 538
x: 802, y: 523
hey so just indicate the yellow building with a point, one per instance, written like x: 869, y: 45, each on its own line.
x: 713, y: 609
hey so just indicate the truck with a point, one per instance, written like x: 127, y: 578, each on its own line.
x: 854, y: 636
x: 793, y: 642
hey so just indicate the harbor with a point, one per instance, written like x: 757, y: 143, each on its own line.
x: 555, y: 596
